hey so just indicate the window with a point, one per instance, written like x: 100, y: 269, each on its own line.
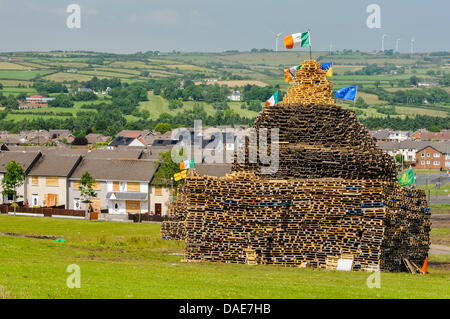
x: 422, y: 162
x: 116, y: 186
x: 35, y: 180
x: 76, y: 185
x: 436, y: 155
x: 428, y: 154
x: 436, y: 163
x: 423, y: 155
x: 428, y: 162
x: 51, y: 181
x: 96, y: 186
x: 158, y: 191
x: 133, y: 187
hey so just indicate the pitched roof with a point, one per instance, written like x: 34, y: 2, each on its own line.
x: 121, y: 140
x: 55, y: 165
x: 25, y: 159
x: 128, y: 153
x: 407, y: 144
x: 442, y: 135
x: 442, y: 147
x: 116, y: 169
x: 96, y: 138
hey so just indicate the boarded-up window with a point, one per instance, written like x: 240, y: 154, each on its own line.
x: 96, y: 186
x: 158, y: 191
x: 116, y: 186
x: 95, y: 204
x: 133, y: 206
x: 133, y: 187
x: 76, y: 184
x: 35, y: 180
x: 51, y: 181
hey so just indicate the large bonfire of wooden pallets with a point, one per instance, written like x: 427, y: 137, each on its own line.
x: 334, y: 196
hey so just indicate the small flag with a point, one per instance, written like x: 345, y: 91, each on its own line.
x: 187, y: 164
x: 407, y: 178
x: 289, y: 74
x: 179, y: 176
x: 328, y: 68
x: 347, y: 93
x: 297, y: 39
x: 273, y: 100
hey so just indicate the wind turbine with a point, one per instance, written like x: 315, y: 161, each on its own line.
x: 396, y: 44
x: 331, y: 47
x: 412, y: 45
x: 382, y: 41
x: 277, y: 36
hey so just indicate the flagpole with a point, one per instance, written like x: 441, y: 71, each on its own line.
x: 310, y: 50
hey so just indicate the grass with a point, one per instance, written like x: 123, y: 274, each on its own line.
x: 440, y: 209
x: 121, y: 260
x: 440, y: 236
x: 444, y: 190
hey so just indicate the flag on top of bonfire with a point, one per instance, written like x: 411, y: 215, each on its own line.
x: 302, y: 39
x: 273, y: 100
x: 289, y: 74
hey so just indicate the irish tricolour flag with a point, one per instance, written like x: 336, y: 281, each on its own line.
x: 297, y: 39
x: 273, y: 100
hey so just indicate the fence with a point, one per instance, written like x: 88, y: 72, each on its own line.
x: 136, y: 218
x: 42, y: 211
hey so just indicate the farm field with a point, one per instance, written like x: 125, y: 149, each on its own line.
x: 122, y: 260
x: 234, y: 69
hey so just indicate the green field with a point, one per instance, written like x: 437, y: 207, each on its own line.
x: 121, y: 260
x: 251, y: 66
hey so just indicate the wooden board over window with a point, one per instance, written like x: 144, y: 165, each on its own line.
x: 116, y: 186
x: 76, y: 184
x: 35, y: 180
x: 95, y: 204
x: 158, y: 191
x: 133, y: 187
x: 96, y: 186
x: 51, y: 181
x: 133, y: 206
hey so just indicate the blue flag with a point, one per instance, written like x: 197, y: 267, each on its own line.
x: 348, y: 93
x: 326, y: 66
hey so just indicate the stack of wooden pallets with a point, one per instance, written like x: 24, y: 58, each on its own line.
x: 333, y: 198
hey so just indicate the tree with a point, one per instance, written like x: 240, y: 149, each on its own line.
x: 167, y: 168
x: 13, y: 178
x: 86, y: 186
x: 62, y: 100
x: 162, y: 127
x: 360, y: 103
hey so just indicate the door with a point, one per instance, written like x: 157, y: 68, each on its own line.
x: 52, y: 200
x: 34, y: 200
x: 77, y: 203
x: 158, y: 209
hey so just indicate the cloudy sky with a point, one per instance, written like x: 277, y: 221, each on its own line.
x: 125, y: 26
